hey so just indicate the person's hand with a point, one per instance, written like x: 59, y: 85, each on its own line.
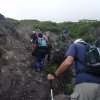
x: 50, y: 77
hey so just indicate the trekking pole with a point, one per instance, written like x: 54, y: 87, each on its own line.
x: 51, y: 90
x: 68, y: 40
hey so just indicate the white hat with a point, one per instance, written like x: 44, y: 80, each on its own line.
x: 33, y: 31
x: 79, y: 40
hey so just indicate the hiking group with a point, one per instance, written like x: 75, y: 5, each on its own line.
x: 42, y: 47
x: 86, y: 59
x: 87, y: 65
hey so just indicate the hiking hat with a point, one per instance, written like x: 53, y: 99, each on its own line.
x: 79, y: 40
x: 33, y: 31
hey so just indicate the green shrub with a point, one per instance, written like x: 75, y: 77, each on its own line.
x: 53, y: 68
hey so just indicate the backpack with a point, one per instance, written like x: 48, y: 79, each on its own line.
x: 92, y: 57
x: 93, y: 60
x: 42, y: 42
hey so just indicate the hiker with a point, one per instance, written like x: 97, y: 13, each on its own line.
x: 49, y: 45
x: 87, y: 86
x: 45, y: 36
x: 65, y: 31
x: 64, y: 35
x: 41, y: 51
x: 34, y: 36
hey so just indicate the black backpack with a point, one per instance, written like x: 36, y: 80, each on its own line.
x: 92, y: 59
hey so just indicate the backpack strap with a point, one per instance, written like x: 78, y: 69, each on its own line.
x: 86, y: 50
x: 77, y: 59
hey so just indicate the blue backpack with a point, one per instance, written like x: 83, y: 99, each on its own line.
x: 42, y: 42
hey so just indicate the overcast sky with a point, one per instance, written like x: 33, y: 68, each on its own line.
x: 51, y: 10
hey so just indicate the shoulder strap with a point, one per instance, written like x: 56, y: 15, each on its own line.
x: 86, y: 49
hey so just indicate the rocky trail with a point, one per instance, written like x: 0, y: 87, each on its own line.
x: 18, y: 79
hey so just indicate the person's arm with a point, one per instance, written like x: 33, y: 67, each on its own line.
x: 63, y: 67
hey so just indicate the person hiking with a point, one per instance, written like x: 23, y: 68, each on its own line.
x: 41, y: 51
x: 34, y: 36
x: 64, y: 35
x: 65, y: 31
x: 87, y: 86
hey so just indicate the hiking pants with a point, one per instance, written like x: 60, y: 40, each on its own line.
x: 41, y: 53
x: 86, y: 91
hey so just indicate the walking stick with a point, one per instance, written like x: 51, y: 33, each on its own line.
x: 51, y: 90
